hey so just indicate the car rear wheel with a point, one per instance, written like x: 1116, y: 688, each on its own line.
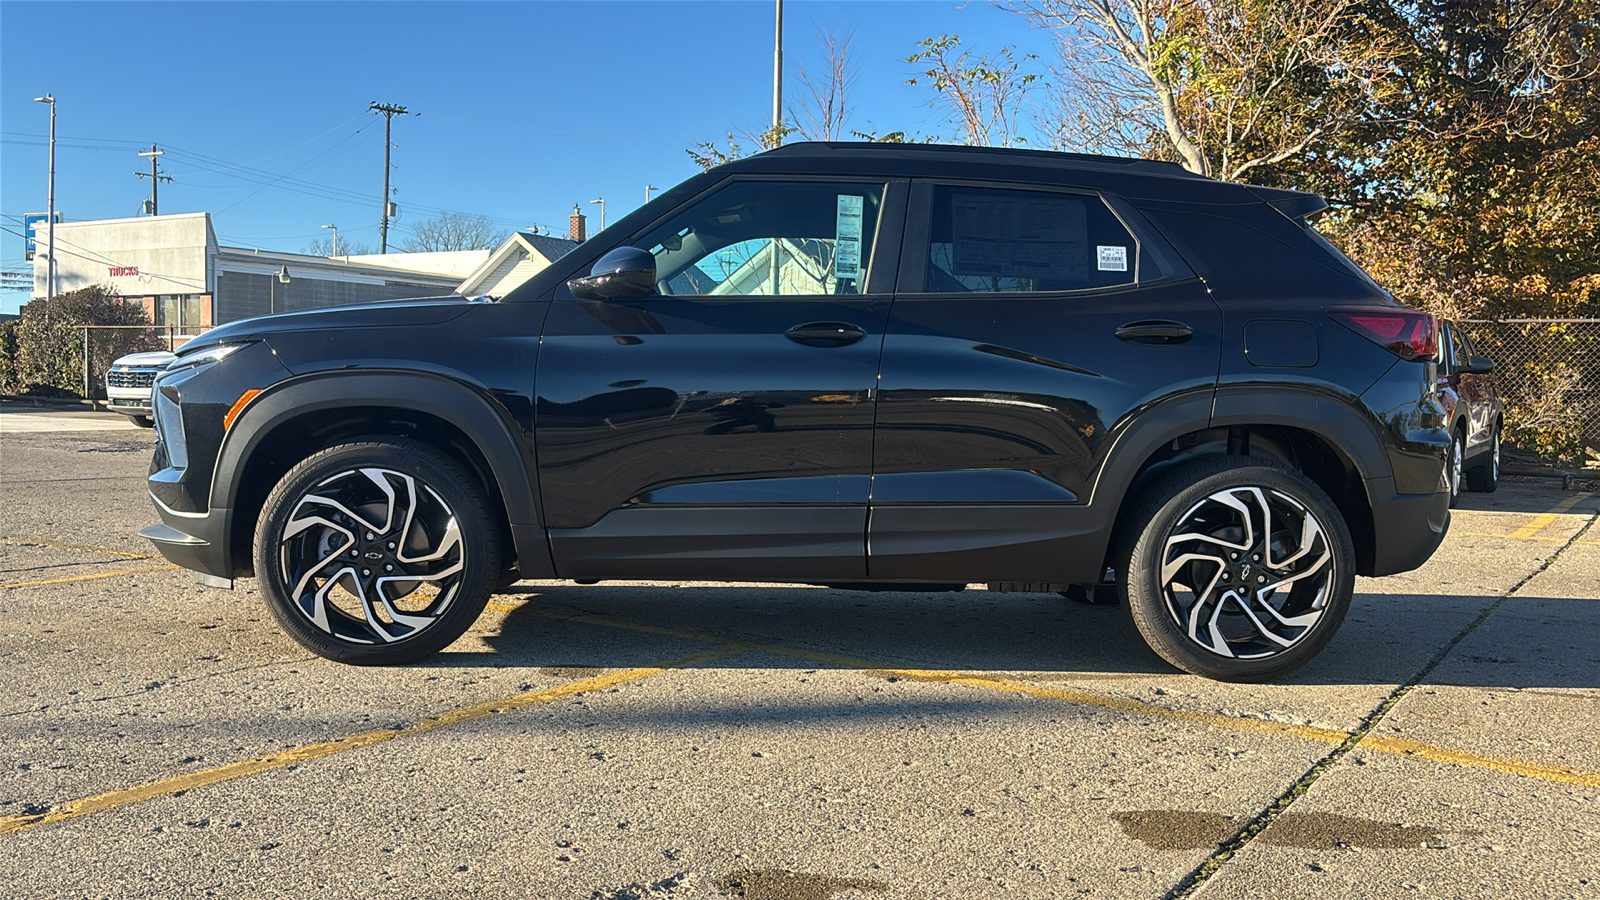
x: 376, y: 552
x: 1485, y: 475
x: 142, y: 421
x: 1238, y: 569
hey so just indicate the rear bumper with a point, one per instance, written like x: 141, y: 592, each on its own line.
x: 1407, y: 527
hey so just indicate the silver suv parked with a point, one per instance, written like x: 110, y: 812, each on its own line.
x: 128, y: 383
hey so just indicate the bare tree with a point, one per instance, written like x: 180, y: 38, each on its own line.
x: 1230, y: 87
x: 454, y: 231
x: 347, y: 247
x: 823, y: 110
x: 982, y: 96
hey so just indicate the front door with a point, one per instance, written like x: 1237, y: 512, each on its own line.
x: 722, y: 427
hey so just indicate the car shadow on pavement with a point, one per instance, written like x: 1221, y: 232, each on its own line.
x: 1533, y: 496
x: 1386, y: 640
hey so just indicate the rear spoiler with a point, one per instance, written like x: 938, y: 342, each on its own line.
x: 1296, y: 205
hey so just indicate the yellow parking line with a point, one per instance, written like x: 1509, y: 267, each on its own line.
x: 1548, y: 540
x: 23, y: 584
x: 1544, y: 519
x: 1542, y: 771
x: 169, y: 786
x: 79, y: 548
x: 1532, y: 528
x: 1417, y: 749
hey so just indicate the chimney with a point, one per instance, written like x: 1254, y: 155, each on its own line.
x: 575, y: 225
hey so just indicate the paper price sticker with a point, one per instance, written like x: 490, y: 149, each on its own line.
x: 1112, y: 259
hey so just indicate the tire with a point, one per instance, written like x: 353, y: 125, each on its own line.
x: 1225, y: 501
x: 419, y: 514
x: 1484, y: 476
x: 1455, y: 466
x: 143, y: 421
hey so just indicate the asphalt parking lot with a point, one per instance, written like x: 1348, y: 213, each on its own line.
x: 161, y: 739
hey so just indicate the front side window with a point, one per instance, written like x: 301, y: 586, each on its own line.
x: 991, y: 240
x: 769, y: 238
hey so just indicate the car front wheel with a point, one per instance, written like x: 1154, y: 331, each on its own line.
x: 1238, y: 569
x: 376, y: 552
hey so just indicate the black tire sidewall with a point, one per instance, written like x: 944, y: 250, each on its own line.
x: 429, y: 466
x: 1158, y: 511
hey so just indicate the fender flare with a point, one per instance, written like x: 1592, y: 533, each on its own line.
x: 1332, y: 420
x: 510, y: 460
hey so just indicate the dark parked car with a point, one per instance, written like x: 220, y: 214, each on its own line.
x: 1477, y: 416
x: 873, y: 366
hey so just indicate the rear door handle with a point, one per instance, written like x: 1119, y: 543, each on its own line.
x: 825, y: 334
x: 1155, y: 331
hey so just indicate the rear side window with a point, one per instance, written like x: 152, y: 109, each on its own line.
x: 1012, y: 241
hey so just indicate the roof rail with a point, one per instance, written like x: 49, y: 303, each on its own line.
x: 1048, y: 158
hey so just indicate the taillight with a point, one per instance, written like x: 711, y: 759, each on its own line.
x: 1407, y: 333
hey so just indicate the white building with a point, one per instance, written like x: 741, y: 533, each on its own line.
x: 173, y: 265
x: 522, y: 256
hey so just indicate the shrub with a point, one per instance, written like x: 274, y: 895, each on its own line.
x: 48, y: 356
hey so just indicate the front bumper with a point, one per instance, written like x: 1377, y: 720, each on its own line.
x: 199, y: 546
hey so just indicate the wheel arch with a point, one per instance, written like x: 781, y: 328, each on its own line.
x: 1330, y: 443
x: 291, y: 420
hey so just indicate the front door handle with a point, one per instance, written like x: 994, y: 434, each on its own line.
x: 1155, y: 331
x: 825, y: 334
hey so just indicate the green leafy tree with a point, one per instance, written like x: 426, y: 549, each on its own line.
x: 982, y: 97
x: 49, y: 342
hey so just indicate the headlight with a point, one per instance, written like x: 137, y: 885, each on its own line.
x: 206, y: 357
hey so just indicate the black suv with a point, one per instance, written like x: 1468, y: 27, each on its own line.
x: 873, y: 366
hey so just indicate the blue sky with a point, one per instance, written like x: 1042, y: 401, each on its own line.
x: 525, y: 108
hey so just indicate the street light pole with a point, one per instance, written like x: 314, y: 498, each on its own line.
x: 50, y: 215
x: 777, y: 79
x: 647, y: 189
x: 602, y: 202
x: 335, y: 238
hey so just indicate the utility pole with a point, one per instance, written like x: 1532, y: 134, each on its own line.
x: 154, y: 176
x: 389, y: 111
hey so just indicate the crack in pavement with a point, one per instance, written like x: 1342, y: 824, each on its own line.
x: 1195, y: 880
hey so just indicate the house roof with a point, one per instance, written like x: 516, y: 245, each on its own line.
x: 546, y: 247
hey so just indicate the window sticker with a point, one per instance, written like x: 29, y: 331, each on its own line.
x: 1112, y: 259
x: 1022, y: 237
x: 847, y: 235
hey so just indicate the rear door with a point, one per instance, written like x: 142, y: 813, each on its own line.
x: 1032, y: 324
x: 722, y: 427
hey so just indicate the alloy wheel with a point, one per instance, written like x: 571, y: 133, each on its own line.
x: 1247, y: 572
x: 371, y: 556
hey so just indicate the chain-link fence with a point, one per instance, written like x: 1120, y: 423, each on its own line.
x: 103, y: 344
x: 1548, y: 371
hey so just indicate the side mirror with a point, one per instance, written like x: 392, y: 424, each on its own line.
x: 1476, y: 365
x: 626, y: 273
